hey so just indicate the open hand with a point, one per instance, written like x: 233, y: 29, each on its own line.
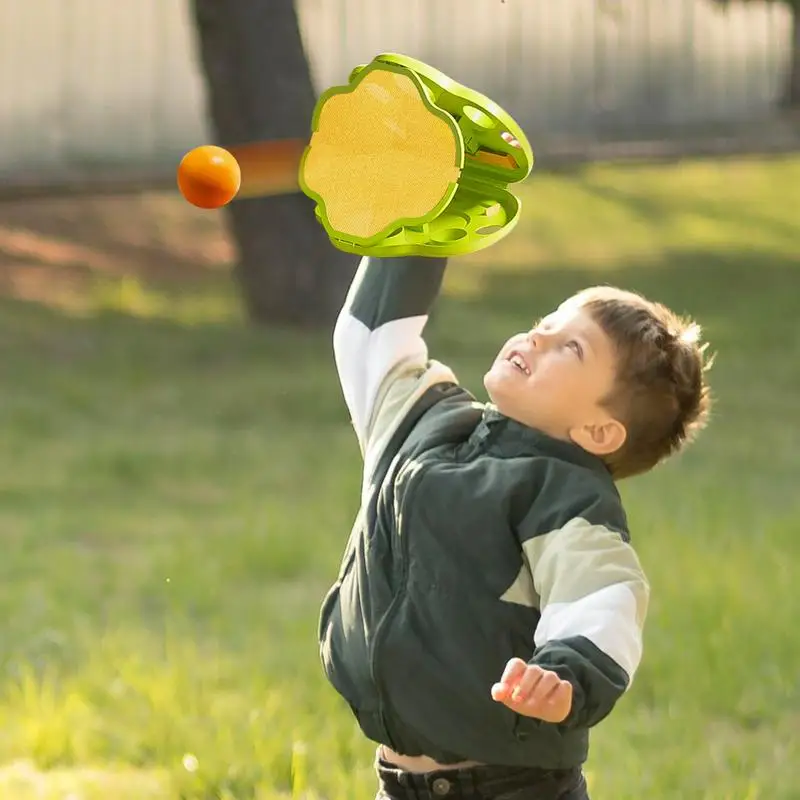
x: 533, y: 692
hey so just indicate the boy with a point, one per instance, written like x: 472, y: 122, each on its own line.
x: 489, y: 607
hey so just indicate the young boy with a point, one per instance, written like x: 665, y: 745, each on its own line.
x: 489, y: 606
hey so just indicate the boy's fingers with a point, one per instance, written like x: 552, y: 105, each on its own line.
x: 544, y: 689
x: 557, y: 706
x: 534, y: 692
x: 562, y: 693
x: 514, y: 670
x: 501, y: 692
x: 529, y: 683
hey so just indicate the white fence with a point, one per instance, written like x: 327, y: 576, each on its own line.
x: 96, y: 84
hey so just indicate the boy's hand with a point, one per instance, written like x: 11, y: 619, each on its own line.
x: 533, y: 691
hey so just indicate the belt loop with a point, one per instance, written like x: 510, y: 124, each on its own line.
x: 417, y: 787
x: 466, y: 782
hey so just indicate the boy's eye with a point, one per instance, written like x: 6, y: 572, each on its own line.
x: 572, y: 344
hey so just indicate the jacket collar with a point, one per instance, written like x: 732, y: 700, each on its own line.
x: 505, y: 436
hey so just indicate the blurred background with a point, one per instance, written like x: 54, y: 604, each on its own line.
x: 178, y: 473
x: 90, y: 85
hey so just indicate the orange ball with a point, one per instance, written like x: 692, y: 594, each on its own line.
x: 209, y: 176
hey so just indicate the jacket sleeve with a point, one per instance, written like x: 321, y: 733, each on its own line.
x: 378, y: 337
x: 593, y: 598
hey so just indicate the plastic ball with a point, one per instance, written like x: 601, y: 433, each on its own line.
x: 209, y: 177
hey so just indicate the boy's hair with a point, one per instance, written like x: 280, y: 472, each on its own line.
x: 660, y: 394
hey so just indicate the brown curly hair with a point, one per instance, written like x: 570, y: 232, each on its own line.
x: 660, y: 393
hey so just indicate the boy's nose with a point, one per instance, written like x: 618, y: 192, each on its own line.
x: 536, y: 339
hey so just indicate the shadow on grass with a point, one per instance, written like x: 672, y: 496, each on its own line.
x: 748, y: 282
x: 61, y: 246
x: 731, y: 294
x: 747, y: 303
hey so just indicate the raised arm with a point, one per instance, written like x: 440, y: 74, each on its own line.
x: 380, y: 328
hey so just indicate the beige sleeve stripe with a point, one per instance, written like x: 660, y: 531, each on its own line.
x: 590, y: 583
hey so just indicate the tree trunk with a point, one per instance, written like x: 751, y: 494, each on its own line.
x: 791, y: 92
x: 259, y: 87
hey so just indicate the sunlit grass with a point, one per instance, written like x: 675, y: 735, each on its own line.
x: 177, y: 489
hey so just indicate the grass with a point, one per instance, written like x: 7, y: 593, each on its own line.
x: 177, y: 489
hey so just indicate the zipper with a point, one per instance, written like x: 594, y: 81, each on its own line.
x: 393, y: 606
x: 382, y: 626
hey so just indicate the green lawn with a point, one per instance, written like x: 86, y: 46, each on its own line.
x: 166, y: 542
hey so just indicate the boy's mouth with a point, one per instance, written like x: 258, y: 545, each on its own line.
x: 516, y: 360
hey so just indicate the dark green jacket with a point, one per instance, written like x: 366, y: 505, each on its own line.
x: 478, y: 540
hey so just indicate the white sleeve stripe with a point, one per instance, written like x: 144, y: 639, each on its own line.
x: 607, y: 618
x: 364, y: 358
x: 394, y: 406
x: 350, y: 346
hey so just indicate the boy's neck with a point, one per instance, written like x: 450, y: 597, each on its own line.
x: 518, y: 438
x: 493, y: 410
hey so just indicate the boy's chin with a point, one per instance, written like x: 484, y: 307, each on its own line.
x: 500, y: 381
x: 498, y: 393
x: 491, y: 382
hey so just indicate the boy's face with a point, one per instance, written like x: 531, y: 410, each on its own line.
x: 554, y: 378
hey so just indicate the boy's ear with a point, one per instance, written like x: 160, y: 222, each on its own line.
x: 601, y: 439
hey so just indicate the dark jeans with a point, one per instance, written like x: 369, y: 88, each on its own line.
x: 481, y: 783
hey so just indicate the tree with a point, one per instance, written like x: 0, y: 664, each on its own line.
x: 259, y: 87
x: 790, y: 96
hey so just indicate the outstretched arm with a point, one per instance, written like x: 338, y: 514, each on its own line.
x: 381, y: 327
x: 593, y: 598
